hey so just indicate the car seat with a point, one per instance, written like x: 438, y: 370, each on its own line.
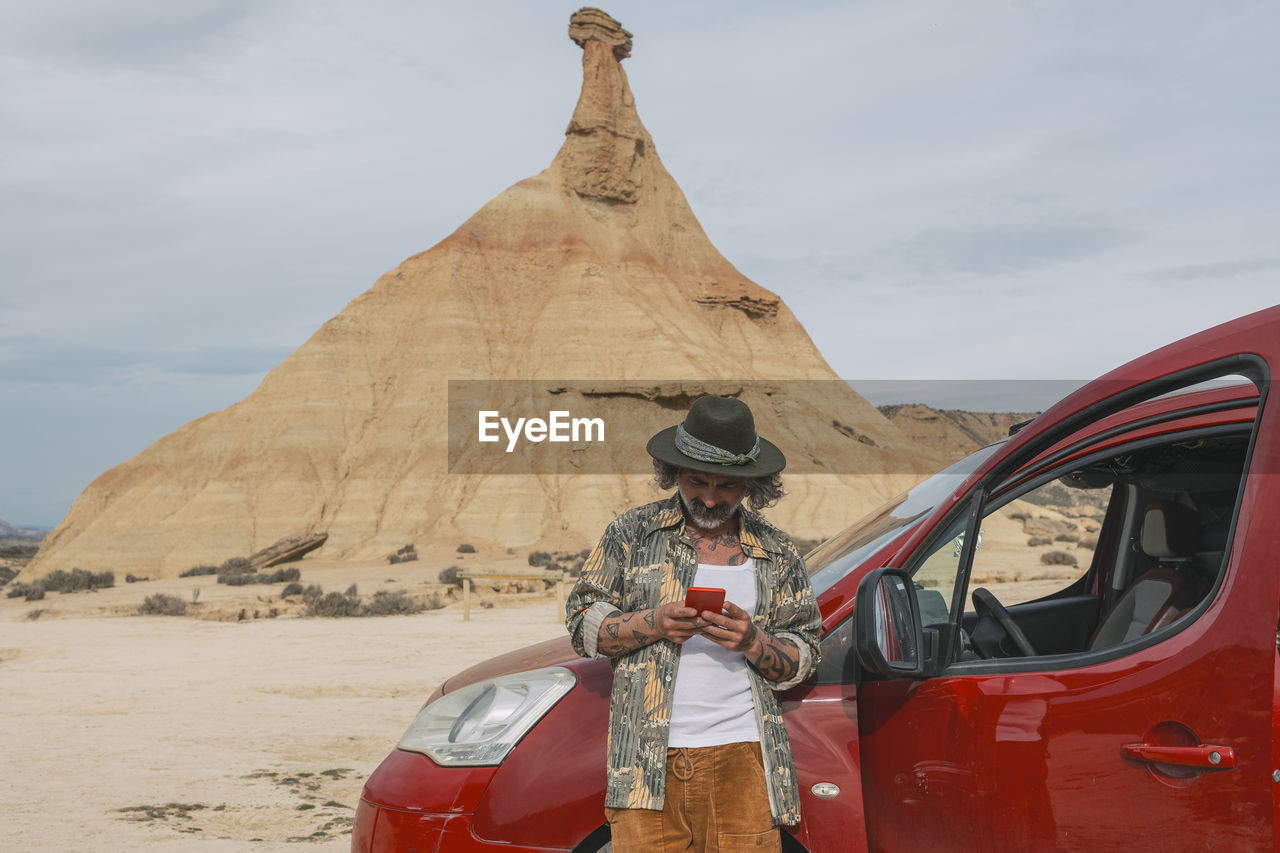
x: 1170, y: 534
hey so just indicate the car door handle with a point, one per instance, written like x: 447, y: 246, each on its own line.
x: 1205, y: 755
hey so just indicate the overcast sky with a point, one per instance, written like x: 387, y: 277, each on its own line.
x: 939, y: 190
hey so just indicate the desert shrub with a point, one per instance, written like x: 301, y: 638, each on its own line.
x: 388, y: 603
x: 278, y: 576
x: 7, y: 574
x: 199, y: 570
x: 1089, y: 543
x: 466, y: 548
x: 1039, y: 541
x: 161, y: 604
x: 27, y: 591
x: 1067, y: 537
x: 1058, y: 558
x: 351, y: 590
x: 539, y: 558
x: 406, y: 554
x: 76, y: 580
x: 333, y: 605
x: 292, y: 589
x: 451, y: 575
x: 134, y: 579
x: 383, y: 603
x: 312, y: 592
x: 235, y: 566
x: 1020, y: 515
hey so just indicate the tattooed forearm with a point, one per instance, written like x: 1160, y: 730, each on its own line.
x: 775, y: 658
x: 623, y: 633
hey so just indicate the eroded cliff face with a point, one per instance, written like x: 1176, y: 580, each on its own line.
x: 952, y: 433
x: 595, y: 269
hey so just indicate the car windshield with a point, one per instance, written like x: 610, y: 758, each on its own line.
x: 845, y: 551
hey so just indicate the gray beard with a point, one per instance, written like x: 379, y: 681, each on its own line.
x: 704, y: 518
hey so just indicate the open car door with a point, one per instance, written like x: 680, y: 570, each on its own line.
x: 1123, y: 701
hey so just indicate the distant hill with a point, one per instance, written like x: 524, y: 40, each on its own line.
x: 10, y: 531
x: 953, y: 433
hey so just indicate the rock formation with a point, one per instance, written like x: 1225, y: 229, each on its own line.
x: 592, y: 281
x: 952, y: 433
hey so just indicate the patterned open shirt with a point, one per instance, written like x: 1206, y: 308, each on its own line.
x: 644, y: 560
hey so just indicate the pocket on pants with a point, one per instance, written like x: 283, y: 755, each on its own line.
x: 750, y: 842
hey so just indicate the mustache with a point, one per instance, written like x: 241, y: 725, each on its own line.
x: 708, y: 517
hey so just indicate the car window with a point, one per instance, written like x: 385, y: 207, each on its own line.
x: 1040, y: 543
x: 1097, y: 556
x: 846, y: 551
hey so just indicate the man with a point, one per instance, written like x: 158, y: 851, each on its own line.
x: 698, y: 757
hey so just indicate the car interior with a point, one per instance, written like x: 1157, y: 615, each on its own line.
x: 1160, y: 553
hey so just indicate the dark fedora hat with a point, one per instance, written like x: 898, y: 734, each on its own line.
x: 718, y: 436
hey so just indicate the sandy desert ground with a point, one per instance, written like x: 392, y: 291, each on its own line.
x: 221, y: 731
x: 165, y: 733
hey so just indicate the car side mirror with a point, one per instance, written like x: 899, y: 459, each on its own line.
x: 886, y: 625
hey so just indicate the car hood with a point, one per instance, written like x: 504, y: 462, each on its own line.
x: 546, y: 653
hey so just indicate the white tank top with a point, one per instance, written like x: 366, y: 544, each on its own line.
x: 712, y: 704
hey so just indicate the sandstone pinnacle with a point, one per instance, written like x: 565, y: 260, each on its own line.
x: 590, y: 286
x: 591, y: 24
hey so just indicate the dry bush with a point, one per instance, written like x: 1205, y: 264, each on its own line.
x: 27, y: 591
x: 278, y: 576
x: 332, y: 605
x: 162, y: 604
x: 196, y: 571
x: 407, y: 554
x: 235, y: 566
x: 387, y: 603
x: 76, y: 580
x: 1067, y: 537
x: 384, y: 603
x: 1039, y: 541
x: 1058, y: 558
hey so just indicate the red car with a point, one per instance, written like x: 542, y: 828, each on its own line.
x: 1065, y: 641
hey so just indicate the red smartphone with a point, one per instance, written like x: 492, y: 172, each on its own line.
x: 702, y: 598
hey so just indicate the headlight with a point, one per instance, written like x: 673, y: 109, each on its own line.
x: 482, y: 722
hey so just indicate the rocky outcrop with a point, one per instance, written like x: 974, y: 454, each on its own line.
x: 952, y: 433
x: 593, y: 281
x: 287, y: 550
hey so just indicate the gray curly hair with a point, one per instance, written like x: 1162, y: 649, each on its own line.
x: 761, y: 491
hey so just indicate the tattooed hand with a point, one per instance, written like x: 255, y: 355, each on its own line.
x: 776, y: 659
x: 623, y: 633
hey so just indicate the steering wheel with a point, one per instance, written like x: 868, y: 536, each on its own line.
x: 986, y: 605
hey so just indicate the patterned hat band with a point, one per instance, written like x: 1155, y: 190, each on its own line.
x: 702, y: 451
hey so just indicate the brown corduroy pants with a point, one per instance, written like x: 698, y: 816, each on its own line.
x: 716, y: 802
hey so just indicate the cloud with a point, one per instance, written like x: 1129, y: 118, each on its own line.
x: 1218, y: 270
x: 39, y: 361
x: 117, y: 32
x: 1002, y: 249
